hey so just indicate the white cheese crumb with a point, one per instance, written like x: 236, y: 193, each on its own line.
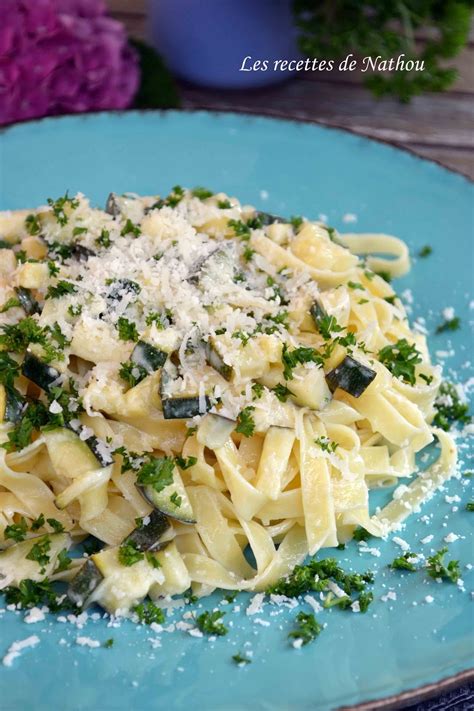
x: 391, y: 595
x: 429, y: 599
x: 451, y: 537
x: 55, y: 408
x: 427, y: 539
x: 87, y: 642
x: 34, y: 615
x: 400, y: 542
x: 17, y: 647
x: 349, y: 217
x: 256, y: 604
x: 312, y: 602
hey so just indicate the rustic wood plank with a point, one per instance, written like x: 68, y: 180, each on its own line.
x: 429, y: 120
x: 460, y: 160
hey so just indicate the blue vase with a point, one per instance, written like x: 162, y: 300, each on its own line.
x: 207, y: 41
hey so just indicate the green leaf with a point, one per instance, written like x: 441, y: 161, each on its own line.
x: 157, y: 89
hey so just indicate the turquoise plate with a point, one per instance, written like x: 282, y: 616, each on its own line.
x: 287, y: 168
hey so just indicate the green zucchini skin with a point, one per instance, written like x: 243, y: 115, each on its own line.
x: 84, y: 583
x: 181, y: 408
x: 147, y: 537
x: 317, y: 312
x: 97, y: 447
x: 111, y: 206
x: 266, y: 218
x: 351, y: 376
x: 29, y: 304
x: 82, y: 253
x: 42, y: 374
x: 15, y: 404
x: 161, y: 502
x: 215, y: 360
x: 148, y: 357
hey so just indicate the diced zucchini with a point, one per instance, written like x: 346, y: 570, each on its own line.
x: 309, y: 388
x: 84, y: 583
x: 351, y: 376
x: 148, y: 357
x: 112, y: 206
x: 317, y: 312
x: 82, y: 253
x: 266, y: 218
x: 123, y: 587
x: 28, y: 303
x: 214, y: 430
x: 70, y: 456
x: 12, y: 404
x: 42, y: 374
x: 180, y: 408
x: 217, y: 267
x: 15, y: 566
x: 147, y: 537
x: 98, y: 448
x: 216, y: 361
x: 172, y: 501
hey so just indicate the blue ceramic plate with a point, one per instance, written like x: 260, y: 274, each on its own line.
x: 286, y: 168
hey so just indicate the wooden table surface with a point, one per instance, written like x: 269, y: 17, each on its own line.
x: 438, y: 126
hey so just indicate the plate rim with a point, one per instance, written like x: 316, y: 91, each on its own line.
x: 414, y: 694
x: 271, y: 114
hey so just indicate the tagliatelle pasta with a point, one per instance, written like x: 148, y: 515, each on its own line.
x: 209, y: 390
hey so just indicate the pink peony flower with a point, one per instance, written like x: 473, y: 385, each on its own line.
x: 62, y: 56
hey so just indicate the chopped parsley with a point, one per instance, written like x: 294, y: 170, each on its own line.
x: 58, y: 208
x: 16, y: 531
x: 38, y: 523
x: 32, y: 224
x: 315, y: 576
x: 436, y: 567
x: 57, y: 526
x: 282, y: 392
x: 354, y: 285
x: 364, y: 600
x: 404, y: 562
x: 60, y: 289
x: 64, y: 561
x: 307, y: 628
x: 257, y: 391
x: 11, y: 303
x: 296, y: 222
x: 156, y: 318
x: 185, y: 463
x: 108, y: 643
x: 248, y: 253
x: 425, y: 251
x: 74, y: 310
x: 39, y: 553
x: 132, y: 373
x: 401, y: 359
x: 103, y: 240
x: 245, y: 422
x: 211, y: 623
x: 361, y: 534
x: 127, y: 330
x: 128, y: 554
x: 326, y: 444
x: 303, y: 354
x: 240, y: 229
x: 53, y: 269
x: 470, y: 506
x: 224, y: 204
x: 202, y: 193
x: 385, y: 275
x: 147, y: 613
x: 156, y: 472
x: 451, y: 324
x: 176, y: 499
x: 240, y: 659
x: 130, y: 229
x: 30, y: 593
x: 449, y: 407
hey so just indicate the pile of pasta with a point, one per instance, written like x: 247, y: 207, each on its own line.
x: 271, y: 444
